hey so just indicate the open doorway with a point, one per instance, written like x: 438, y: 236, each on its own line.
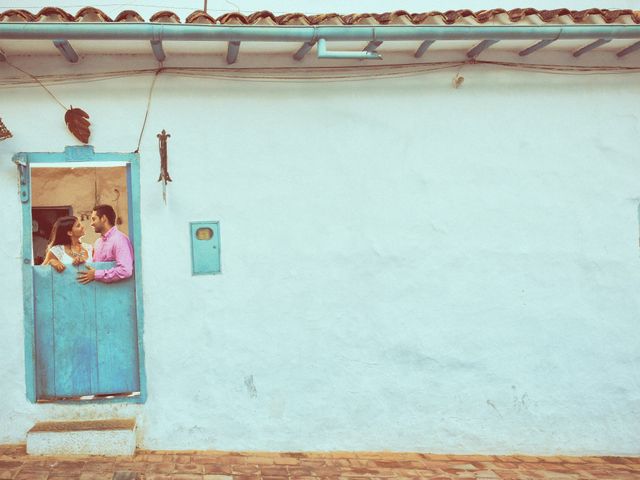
x: 58, y: 192
x: 83, y: 340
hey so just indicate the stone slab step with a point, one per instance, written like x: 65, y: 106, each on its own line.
x: 92, y: 437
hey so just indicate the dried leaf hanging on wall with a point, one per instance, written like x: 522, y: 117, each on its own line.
x: 77, y: 123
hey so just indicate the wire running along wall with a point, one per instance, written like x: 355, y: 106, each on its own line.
x: 306, y: 74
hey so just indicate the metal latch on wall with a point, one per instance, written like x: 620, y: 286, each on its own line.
x: 23, y: 174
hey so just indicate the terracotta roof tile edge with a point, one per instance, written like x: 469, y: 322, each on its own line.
x: 449, y: 17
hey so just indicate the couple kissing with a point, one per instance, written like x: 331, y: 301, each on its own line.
x: 66, y: 247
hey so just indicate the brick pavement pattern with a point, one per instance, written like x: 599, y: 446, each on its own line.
x: 15, y: 464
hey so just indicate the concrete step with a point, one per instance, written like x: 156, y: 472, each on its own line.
x: 94, y: 437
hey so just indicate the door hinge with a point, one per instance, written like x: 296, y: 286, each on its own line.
x: 23, y: 173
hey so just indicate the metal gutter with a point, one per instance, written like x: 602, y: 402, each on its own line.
x: 240, y: 33
x: 234, y: 35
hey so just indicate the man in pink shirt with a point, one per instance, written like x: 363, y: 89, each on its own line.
x: 112, y: 246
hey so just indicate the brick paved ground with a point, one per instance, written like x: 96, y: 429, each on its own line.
x: 15, y: 464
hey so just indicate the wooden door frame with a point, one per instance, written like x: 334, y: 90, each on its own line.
x: 71, y: 155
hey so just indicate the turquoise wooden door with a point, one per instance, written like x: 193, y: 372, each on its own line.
x: 82, y: 340
x: 85, y: 335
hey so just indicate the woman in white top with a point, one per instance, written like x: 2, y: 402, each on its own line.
x: 65, y: 247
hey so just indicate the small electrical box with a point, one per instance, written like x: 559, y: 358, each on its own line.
x: 205, y: 248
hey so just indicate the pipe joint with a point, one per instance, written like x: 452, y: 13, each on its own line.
x: 323, y: 53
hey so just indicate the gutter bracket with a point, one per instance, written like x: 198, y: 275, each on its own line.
x: 303, y: 50
x: 66, y: 50
x: 306, y: 46
x: 233, y: 49
x: 534, y: 48
x: 626, y: 51
x: 158, y: 51
x: 371, y: 46
x: 591, y: 46
x: 481, y: 47
x: 423, y: 48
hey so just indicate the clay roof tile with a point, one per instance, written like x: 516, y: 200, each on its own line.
x: 329, y: 19
x: 233, y: 18
x: 549, y: 15
x: 292, y: 19
x: 358, y: 19
x: 485, y: 16
x: 129, y: 16
x: 518, y: 14
x: 263, y: 17
x: 610, y: 16
x: 399, y: 17
x: 54, y: 14
x: 92, y: 14
x: 17, y: 16
x: 450, y: 17
x: 200, y: 16
x: 166, y: 16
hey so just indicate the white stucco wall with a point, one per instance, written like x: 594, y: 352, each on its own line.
x: 406, y: 266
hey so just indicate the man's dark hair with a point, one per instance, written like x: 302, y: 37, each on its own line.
x: 108, y: 211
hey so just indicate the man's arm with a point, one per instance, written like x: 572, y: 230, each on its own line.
x: 124, y: 263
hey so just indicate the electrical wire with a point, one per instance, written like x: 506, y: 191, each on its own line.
x: 294, y: 74
x: 305, y: 74
x: 562, y: 69
x: 33, y: 77
x: 146, y: 113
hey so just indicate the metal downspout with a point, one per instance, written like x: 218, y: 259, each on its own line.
x: 364, y: 55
